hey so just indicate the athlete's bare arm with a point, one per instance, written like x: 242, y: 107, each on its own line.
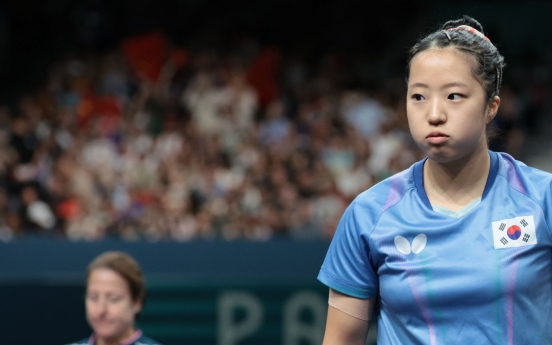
x: 348, y: 319
x: 343, y: 329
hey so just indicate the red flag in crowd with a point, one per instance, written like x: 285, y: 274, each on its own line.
x: 146, y: 54
x: 262, y: 75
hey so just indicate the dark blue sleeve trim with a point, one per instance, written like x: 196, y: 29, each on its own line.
x: 492, y: 173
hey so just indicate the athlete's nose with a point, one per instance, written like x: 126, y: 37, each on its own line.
x: 436, y: 112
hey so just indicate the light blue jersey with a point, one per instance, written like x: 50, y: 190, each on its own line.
x: 483, y: 276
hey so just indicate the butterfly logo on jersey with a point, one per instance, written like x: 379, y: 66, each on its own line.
x: 514, y: 232
x: 418, y: 244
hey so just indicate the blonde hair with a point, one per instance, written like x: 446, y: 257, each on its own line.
x: 126, y: 267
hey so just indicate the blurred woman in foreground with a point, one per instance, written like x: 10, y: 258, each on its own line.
x: 115, y: 295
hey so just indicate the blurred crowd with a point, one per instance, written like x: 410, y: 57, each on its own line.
x: 155, y: 142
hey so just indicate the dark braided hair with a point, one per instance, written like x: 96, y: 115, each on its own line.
x: 488, y: 64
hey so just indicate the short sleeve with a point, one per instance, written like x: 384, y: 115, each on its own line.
x: 347, y: 267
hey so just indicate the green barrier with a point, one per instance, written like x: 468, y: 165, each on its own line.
x: 236, y: 313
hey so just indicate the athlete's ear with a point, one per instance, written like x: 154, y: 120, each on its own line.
x: 492, y: 109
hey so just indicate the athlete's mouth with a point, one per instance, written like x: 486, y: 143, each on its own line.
x: 437, y: 137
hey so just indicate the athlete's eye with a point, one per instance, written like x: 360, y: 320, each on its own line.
x: 418, y: 97
x: 454, y: 96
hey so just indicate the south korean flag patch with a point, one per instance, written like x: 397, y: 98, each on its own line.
x: 514, y: 232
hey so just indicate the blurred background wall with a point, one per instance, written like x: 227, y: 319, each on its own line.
x: 198, y: 293
x: 219, y: 144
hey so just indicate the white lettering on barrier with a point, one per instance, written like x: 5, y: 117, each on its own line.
x: 231, y: 332
x: 296, y: 330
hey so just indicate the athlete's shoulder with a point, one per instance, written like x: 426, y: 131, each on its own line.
x: 368, y: 206
x: 388, y: 190
x: 527, y: 180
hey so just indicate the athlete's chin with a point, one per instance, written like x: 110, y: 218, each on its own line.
x: 440, y: 153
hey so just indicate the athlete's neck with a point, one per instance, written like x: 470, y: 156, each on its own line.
x: 453, y: 185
